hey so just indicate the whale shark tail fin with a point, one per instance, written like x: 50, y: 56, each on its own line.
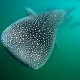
x: 70, y: 9
x: 68, y: 17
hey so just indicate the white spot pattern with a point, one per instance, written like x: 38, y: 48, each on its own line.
x: 31, y: 39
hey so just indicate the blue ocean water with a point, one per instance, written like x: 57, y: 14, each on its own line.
x: 64, y: 62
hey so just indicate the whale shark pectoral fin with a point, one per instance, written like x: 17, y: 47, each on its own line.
x: 29, y: 11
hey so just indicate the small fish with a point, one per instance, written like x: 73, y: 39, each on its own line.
x: 31, y: 39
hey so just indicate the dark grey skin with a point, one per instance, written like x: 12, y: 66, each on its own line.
x: 31, y: 39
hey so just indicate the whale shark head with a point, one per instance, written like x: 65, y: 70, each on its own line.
x: 31, y: 39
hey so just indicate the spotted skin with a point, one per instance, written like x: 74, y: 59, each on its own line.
x: 31, y: 39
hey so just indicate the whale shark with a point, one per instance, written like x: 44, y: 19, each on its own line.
x: 32, y: 38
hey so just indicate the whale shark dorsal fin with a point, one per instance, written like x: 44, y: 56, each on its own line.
x: 30, y: 12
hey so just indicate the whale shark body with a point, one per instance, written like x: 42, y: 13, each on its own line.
x: 31, y: 39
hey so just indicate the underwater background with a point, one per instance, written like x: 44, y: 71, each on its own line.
x: 64, y: 62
